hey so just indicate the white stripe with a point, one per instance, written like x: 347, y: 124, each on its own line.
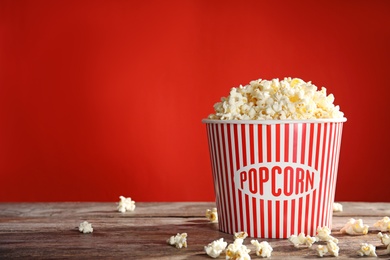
x: 221, y: 176
x: 273, y: 143
x: 234, y: 156
x: 265, y: 214
x: 240, y: 213
x: 324, y: 176
x: 282, y: 140
x: 234, y: 213
x: 312, y: 220
x: 227, y: 181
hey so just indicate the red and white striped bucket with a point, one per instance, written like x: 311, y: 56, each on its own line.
x: 272, y: 178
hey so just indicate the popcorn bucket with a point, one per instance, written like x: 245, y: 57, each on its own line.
x: 274, y: 178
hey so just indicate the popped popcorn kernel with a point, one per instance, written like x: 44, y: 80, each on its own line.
x: 237, y: 251
x: 383, y: 224
x: 263, y: 249
x: 215, y: 248
x: 337, y: 207
x: 330, y: 248
x: 322, y: 250
x: 241, y: 235
x: 355, y: 227
x: 179, y: 241
x: 385, y: 238
x: 212, y: 215
x: 333, y: 248
x: 323, y: 234
x: 301, y: 239
x: 290, y: 98
x: 366, y: 250
x: 125, y: 204
x: 85, y: 227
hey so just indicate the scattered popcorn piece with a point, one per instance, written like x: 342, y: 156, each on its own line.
x: 85, y: 227
x: 290, y: 98
x: 180, y: 240
x: 301, y: 239
x: 323, y: 234
x: 241, y: 235
x: 212, y: 215
x: 237, y: 251
x: 215, y: 248
x: 126, y: 204
x: 366, y: 250
x: 333, y: 248
x: 263, y: 249
x: 385, y: 238
x: 322, y: 250
x: 330, y: 248
x: 383, y: 224
x: 355, y: 227
x: 337, y: 207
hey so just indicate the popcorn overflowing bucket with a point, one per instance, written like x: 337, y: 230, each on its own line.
x: 274, y: 178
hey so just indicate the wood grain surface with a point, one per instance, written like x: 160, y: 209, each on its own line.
x: 50, y: 231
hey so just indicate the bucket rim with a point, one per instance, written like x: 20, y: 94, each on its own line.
x: 274, y: 122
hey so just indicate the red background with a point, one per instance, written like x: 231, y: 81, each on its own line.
x: 105, y: 98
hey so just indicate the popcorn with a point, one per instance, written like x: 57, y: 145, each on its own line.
x: 241, y: 235
x: 366, y: 250
x: 383, y: 224
x: 125, y: 204
x: 323, y: 234
x: 322, y: 250
x: 337, y: 207
x: 275, y: 99
x: 85, y: 227
x: 355, y: 227
x: 237, y: 251
x: 212, y: 215
x: 330, y: 248
x: 180, y: 240
x: 263, y: 249
x: 385, y: 239
x: 301, y: 239
x: 215, y: 248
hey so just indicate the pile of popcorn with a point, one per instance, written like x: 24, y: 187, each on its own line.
x: 290, y: 98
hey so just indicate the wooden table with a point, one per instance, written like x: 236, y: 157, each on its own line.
x: 50, y: 231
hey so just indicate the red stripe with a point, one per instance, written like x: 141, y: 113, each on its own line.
x: 311, y: 140
x: 292, y: 216
x: 243, y: 142
x: 241, y: 224
x: 248, y: 216
x: 277, y: 141
x: 307, y: 214
x: 312, y: 227
x: 286, y: 141
x: 262, y: 218
x: 252, y: 144
x: 255, y: 217
x: 270, y: 219
x: 277, y: 217
x: 269, y: 144
x: 260, y: 142
x: 285, y: 218
x: 295, y: 146
x: 300, y: 215
x: 303, y: 152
